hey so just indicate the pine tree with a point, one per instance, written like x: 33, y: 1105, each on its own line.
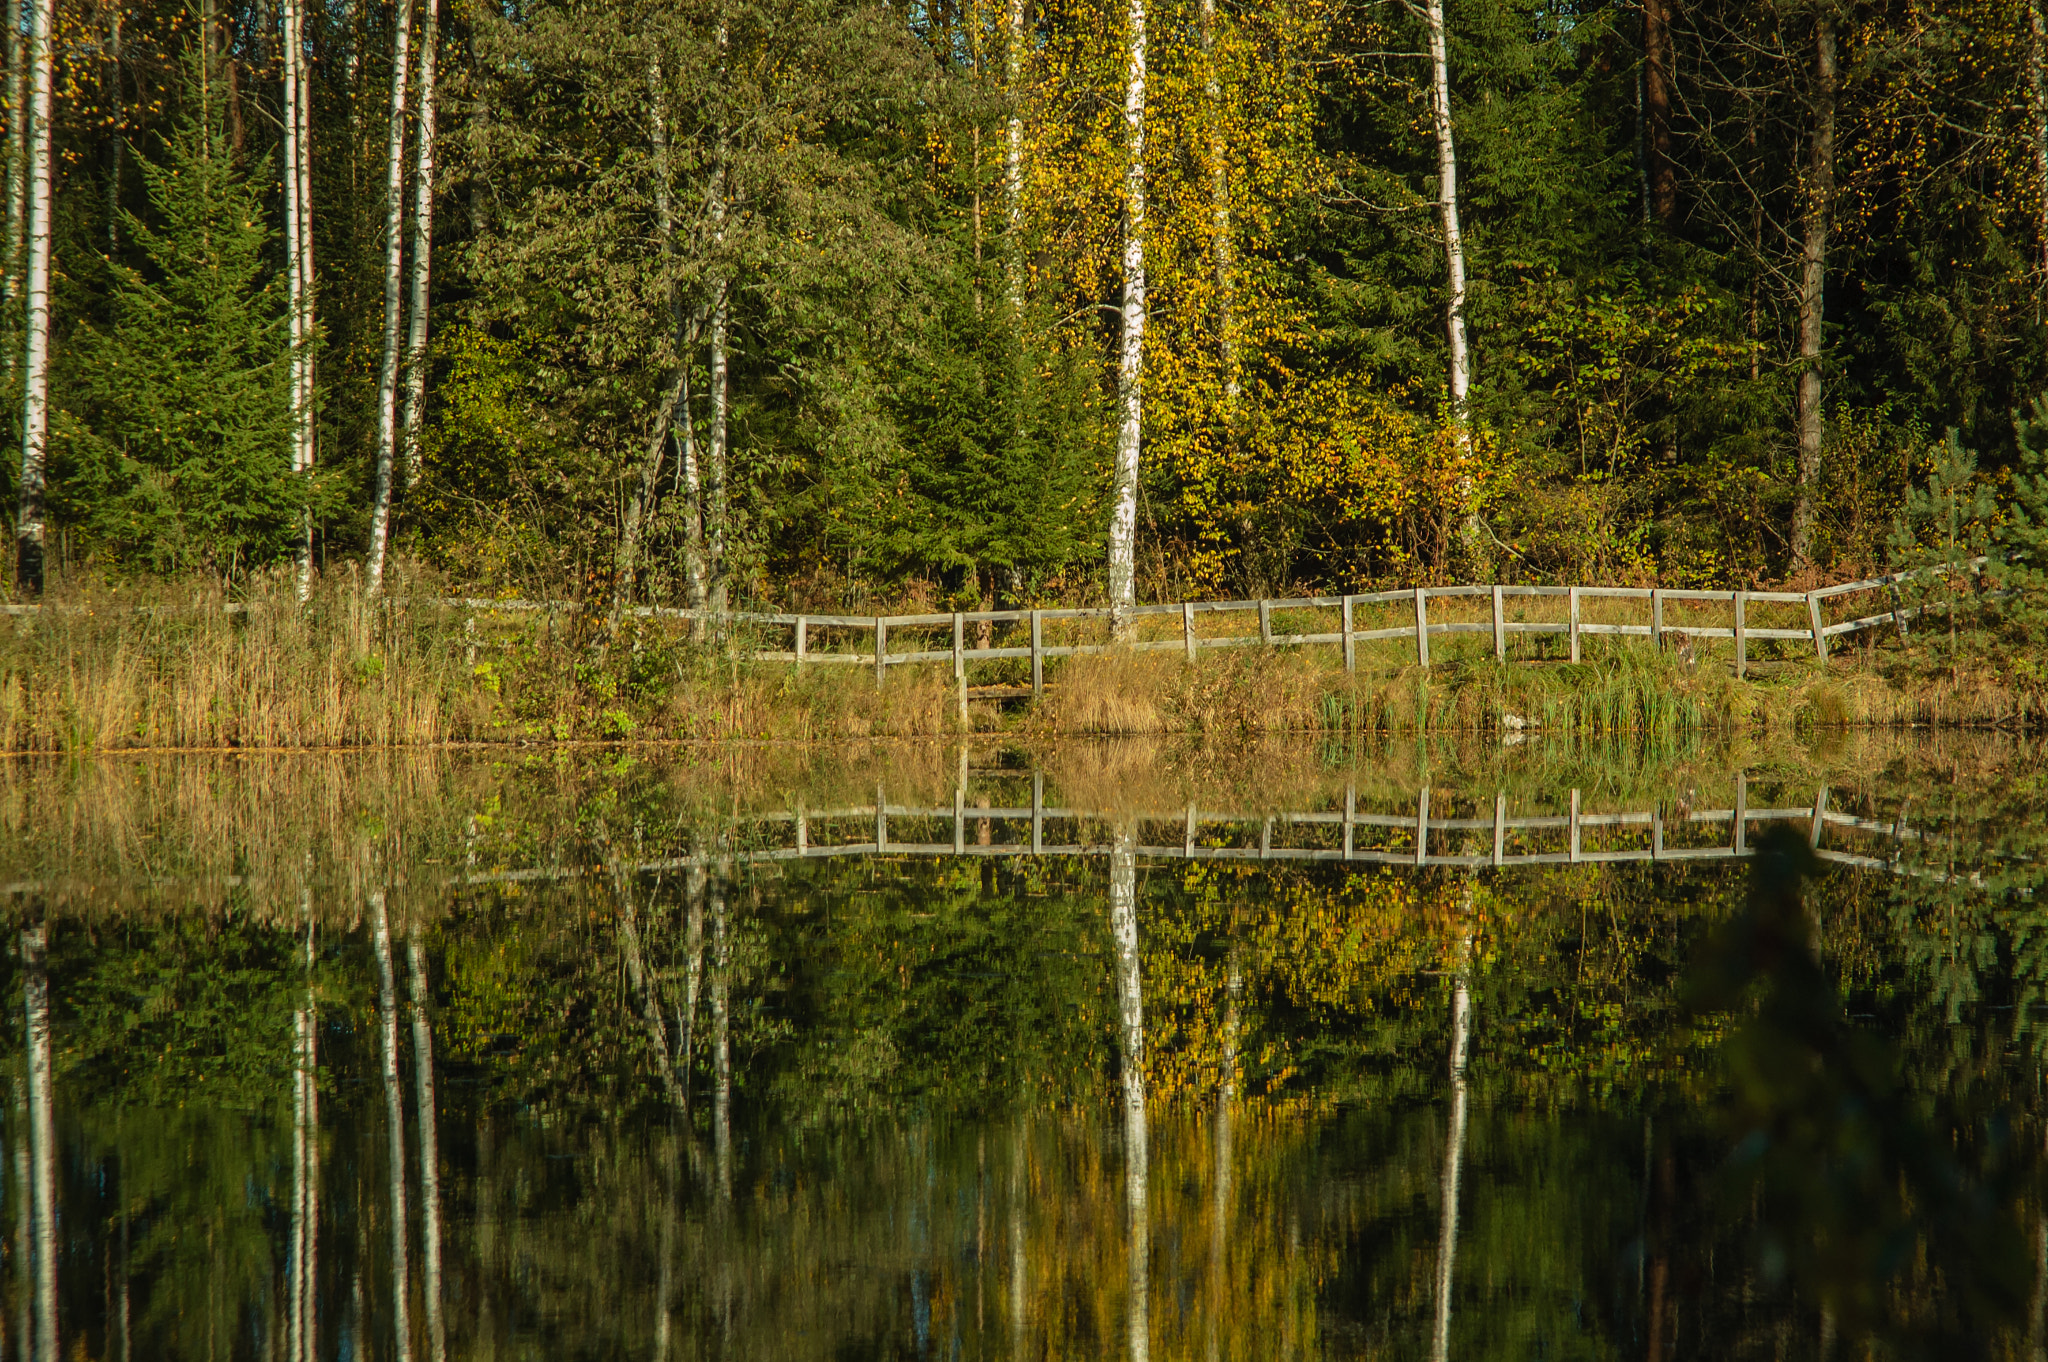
x: 177, y: 431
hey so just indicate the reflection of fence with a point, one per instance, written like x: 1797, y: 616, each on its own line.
x: 1348, y: 835
x: 1665, y: 616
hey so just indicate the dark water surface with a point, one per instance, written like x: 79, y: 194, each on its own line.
x: 1126, y: 1057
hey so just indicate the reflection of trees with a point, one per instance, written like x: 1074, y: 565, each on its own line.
x: 1130, y: 1001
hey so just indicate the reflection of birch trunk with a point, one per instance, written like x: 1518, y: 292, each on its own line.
x: 394, y: 1119
x: 721, y: 1042
x: 24, y: 1233
x: 298, y: 1341
x: 309, y: 1301
x: 643, y: 989
x: 1130, y: 1001
x: 42, y: 1140
x: 1454, y: 1153
x: 430, y: 1150
x: 1018, y: 1279
x: 693, y: 980
x: 1226, y: 1097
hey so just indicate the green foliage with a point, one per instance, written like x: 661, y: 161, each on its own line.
x: 2020, y: 544
x: 174, y: 445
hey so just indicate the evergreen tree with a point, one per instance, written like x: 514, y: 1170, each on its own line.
x: 176, y: 431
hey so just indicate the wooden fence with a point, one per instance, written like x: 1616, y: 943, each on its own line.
x: 1727, y: 617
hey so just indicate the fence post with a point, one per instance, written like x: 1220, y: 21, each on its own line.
x: 1500, y: 629
x: 881, y: 820
x: 1573, y: 627
x: 881, y: 644
x: 1187, y: 844
x: 960, y: 815
x: 1266, y: 623
x: 1037, y: 813
x: 1820, y: 814
x: 1741, y: 633
x: 1422, y: 827
x: 1820, y: 638
x: 1037, y: 657
x: 1898, y: 616
x: 1500, y: 823
x: 959, y: 645
x: 1187, y: 628
x: 803, y: 640
x: 1350, y: 819
x: 1422, y: 626
x: 1575, y: 825
x: 1350, y: 643
x: 1657, y: 619
x: 1742, y: 813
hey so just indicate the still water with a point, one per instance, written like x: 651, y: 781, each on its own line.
x: 1509, y: 1053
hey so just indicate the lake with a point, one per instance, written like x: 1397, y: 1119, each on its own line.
x: 1543, y: 1049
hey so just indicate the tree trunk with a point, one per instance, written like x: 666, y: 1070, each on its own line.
x: 29, y: 529
x: 1221, y: 248
x: 1123, y: 521
x: 717, y: 468
x: 394, y: 1124
x: 1813, y: 261
x: 305, y: 1338
x: 394, y: 271
x: 42, y: 1136
x: 17, y: 155
x: 1013, y: 155
x: 413, y: 419
x: 298, y: 239
x: 643, y: 987
x: 689, y: 475
x: 1454, y: 1156
x: 1130, y: 1002
x: 24, y: 1233
x: 721, y: 1042
x: 1220, y: 1227
x: 430, y: 1149
x: 1454, y: 255
x: 693, y: 981
x: 1657, y: 168
x: 2037, y: 98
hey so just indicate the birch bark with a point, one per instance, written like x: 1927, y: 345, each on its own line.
x: 298, y: 231
x: 716, y: 469
x: 1460, y: 359
x: 394, y: 271
x: 1454, y: 1156
x: 308, y: 417
x: 304, y: 1340
x: 1130, y: 1000
x: 430, y: 1149
x: 17, y: 155
x: 1013, y: 155
x: 1813, y: 262
x: 2037, y: 99
x: 394, y: 1124
x: 413, y: 418
x: 42, y: 1138
x: 1123, y: 520
x: 29, y: 528
x: 721, y: 1043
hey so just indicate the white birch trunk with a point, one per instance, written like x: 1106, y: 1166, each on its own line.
x: 1130, y: 1001
x: 1220, y: 1228
x: 394, y: 1123
x: 24, y: 1234
x: 17, y: 156
x: 1013, y: 154
x: 308, y: 417
x: 42, y: 1140
x: 430, y: 1150
x: 298, y: 228
x: 688, y: 474
x: 1460, y: 358
x: 1454, y: 1156
x: 1813, y: 270
x: 29, y: 529
x: 1123, y: 516
x: 394, y: 271
x: 717, y: 465
x: 413, y: 417
x: 1221, y: 250
x: 309, y: 1301
x: 299, y: 1342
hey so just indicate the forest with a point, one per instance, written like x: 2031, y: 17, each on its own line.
x: 811, y: 302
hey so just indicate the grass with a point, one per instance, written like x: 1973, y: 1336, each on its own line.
x: 117, y: 666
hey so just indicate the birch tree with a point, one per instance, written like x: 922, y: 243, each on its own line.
x: 1454, y: 1154
x: 414, y: 413
x: 1459, y: 359
x: 29, y: 526
x: 430, y: 1142
x: 42, y: 1136
x: 298, y: 233
x: 394, y: 269
x: 302, y: 1327
x: 1123, y: 515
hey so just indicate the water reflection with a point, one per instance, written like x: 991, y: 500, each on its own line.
x: 988, y: 1068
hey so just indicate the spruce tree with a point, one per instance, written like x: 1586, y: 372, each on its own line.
x: 177, y: 429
